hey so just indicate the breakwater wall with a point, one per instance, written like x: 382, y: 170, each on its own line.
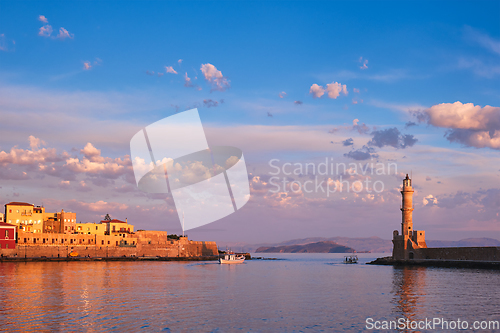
x: 139, y: 244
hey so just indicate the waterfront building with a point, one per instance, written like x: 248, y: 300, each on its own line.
x: 30, y: 218
x: 7, y: 236
x: 117, y: 227
x: 1, y: 217
x: 91, y: 229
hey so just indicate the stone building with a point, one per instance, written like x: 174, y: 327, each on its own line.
x: 7, y: 236
x: 30, y: 218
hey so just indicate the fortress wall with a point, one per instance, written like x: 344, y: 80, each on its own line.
x: 175, y: 249
x: 459, y: 253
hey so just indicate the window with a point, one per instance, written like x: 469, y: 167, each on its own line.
x: 6, y: 233
x: 6, y: 246
x: 25, y: 240
x: 109, y: 242
x: 102, y: 242
x: 10, y: 210
x: 96, y: 228
x: 53, y: 240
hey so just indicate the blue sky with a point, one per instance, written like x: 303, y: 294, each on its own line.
x: 392, y: 57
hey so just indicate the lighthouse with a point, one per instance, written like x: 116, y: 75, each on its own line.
x: 407, y: 207
x: 407, y: 243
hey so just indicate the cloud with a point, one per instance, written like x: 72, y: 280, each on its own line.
x: 35, y: 143
x: 362, y: 154
x: 348, y: 142
x: 45, y: 31
x: 43, y: 19
x: 333, y: 90
x: 282, y: 94
x: 170, y: 69
x: 316, y: 91
x: 364, y: 63
x: 392, y: 137
x: 356, y: 90
x: 430, y: 200
x: 361, y: 129
x: 210, y: 103
x: 298, y: 102
x: 215, y: 77
x: 428, y: 179
x: 87, y: 65
x: 179, y: 61
x: 63, y: 34
x: 468, y: 124
x: 410, y: 124
x: 269, y: 114
x: 189, y: 84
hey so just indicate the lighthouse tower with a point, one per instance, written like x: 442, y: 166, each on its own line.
x: 407, y: 244
x: 407, y: 207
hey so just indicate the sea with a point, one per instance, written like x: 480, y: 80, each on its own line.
x: 294, y: 293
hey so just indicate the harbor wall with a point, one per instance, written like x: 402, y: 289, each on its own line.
x: 489, y: 253
x: 138, y: 244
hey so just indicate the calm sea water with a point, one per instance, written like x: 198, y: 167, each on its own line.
x: 304, y: 292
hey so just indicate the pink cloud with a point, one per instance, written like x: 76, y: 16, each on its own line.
x: 43, y: 19
x: 45, y: 31
x: 63, y: 34
x: 170, y: 69
x: 215, y: 77
x: 333, y: 90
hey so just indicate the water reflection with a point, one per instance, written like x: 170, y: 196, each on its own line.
x: 409, y: 291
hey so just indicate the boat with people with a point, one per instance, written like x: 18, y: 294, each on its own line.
x: 232, y: 258
x: 351, y: 259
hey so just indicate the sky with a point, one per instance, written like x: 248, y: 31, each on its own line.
x: 366, y: 85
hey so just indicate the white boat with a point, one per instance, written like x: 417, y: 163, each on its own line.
x: 231, y: 258
x: 351, y: 259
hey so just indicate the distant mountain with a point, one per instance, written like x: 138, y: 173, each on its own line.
x: 318, y: 247
x: 371, y: 244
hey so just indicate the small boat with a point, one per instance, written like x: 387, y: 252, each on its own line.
x: 231, y: 258
x: 351, y: 259
x: 73, y: 254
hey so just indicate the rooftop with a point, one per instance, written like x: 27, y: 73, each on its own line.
x: 113, y: 221
x: 19, y: 204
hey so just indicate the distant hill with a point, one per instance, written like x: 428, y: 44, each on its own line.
x: 368, y: 244
x: 318, y: 247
